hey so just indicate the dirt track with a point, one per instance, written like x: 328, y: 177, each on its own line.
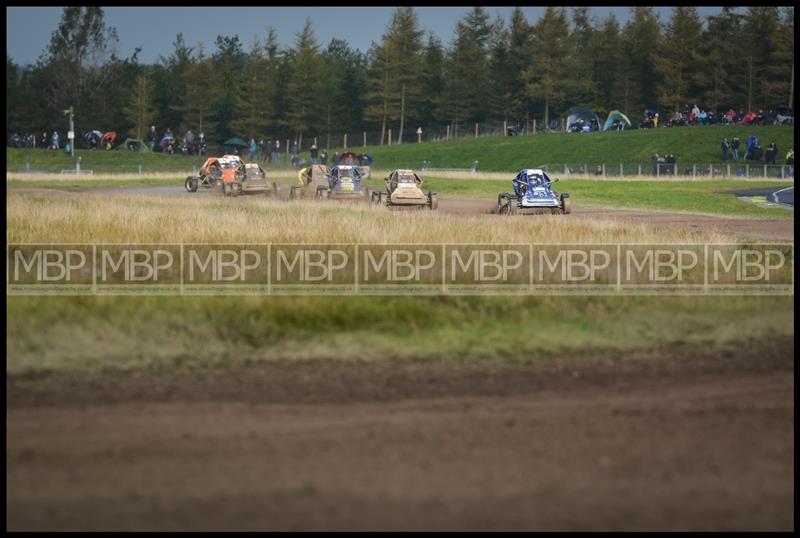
x: 683, y: 440
x: 744, y: 228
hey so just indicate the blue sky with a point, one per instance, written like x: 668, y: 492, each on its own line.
x: 28, y: 29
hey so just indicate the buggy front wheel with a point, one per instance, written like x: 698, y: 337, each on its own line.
x: 191, y: 184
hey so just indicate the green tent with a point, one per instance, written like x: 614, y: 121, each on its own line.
x: 613, y: 115
x: 142, y: 146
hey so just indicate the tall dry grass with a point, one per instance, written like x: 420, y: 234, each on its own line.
x: 89, y: 217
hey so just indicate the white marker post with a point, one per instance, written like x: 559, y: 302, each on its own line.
x: 419, y: 135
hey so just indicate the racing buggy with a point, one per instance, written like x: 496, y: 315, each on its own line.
x: 343, y: 183
x: 533, y: 194
x: 229, y: 170
x: 404, y: 190
x: 255, y: 182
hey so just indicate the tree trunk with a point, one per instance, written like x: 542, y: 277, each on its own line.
x: 402, y: 111
x: 547, y: 113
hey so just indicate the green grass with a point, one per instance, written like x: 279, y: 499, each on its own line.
x: 116, y: 162
x: 692, y: 196
x: 691, y: 145
x: 86, y: 334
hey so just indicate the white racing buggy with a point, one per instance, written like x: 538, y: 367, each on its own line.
x: 533, y: 194
x: 404, y: 190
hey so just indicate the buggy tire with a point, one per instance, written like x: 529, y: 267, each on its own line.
x: 502, y: 205
x: 191, y: 184
x: 566, y: 204
x: 433, y: 201
x: 512, y: 207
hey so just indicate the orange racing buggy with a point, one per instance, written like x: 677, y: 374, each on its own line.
x: 228, y: 170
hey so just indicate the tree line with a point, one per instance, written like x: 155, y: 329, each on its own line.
x: 504, y: 70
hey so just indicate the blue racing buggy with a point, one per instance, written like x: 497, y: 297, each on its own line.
x: 533, y: 194
x: 344, y: 183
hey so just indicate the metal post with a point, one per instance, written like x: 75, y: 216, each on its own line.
x: 365, y: 138
x: 747, y: 170
x: 345, y: 140
x: 604, y: 169
x: 765, y: 171
x: 658, y: 169
x: 140, y: 169
x: 534, y: 125
x: 476, y: 130
x: 640, y: 169
x: 566, y: 170
x: 585, y: 170
x: 783, y: 170
x: 621, y: 170
x: 287, y: 153
x: 694, y: 171
x: 675, y: 169
x: 447, y: 136
x: 711, y: 170
x: 505, y: 128
x: 390, y: 137
x: 729, y: 170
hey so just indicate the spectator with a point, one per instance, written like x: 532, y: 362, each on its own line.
x: 44, y: 140
x: 56, y: 141
x: 276, y: 155
x: 293, y: 151
x: 790, y: 162
x: 735, y: 147
x: 324, y: 156
x: 772, y: 153
x: 314, y: 153
x: 262, y: 149
x: 269, y: 151
x: 725, y: 147
x: 336, y: 158
x: 695, y: 112
x: 152, y: 138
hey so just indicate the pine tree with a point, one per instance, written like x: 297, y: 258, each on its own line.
x: 379, y: 97
x: 552, y: 48
x: 252, y: 109
x: 520, y: 46
x: 432, y: 82
x: 404, y: 46
x: 679, y: 62
x: 607, y: 43
x: 305, y: 85
x: 228, y: 62
x: 467, y: 70
x: 584, y: 69
x: 723, y: 76
x: 641, y: 40
x: 140, y: 109
x: 196, y: 106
